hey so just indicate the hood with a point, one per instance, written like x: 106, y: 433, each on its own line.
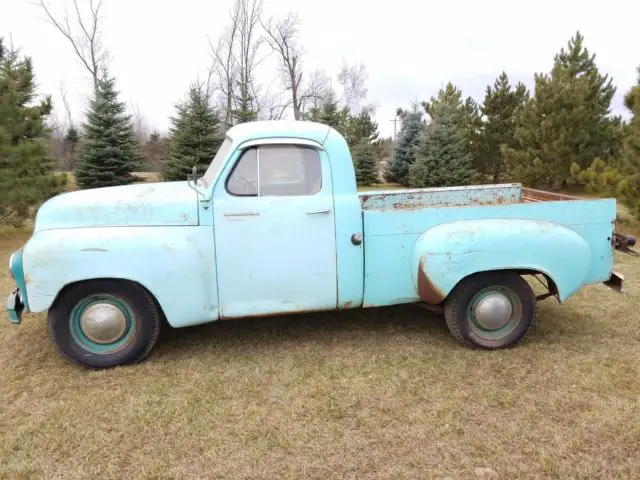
x: 136, y: 205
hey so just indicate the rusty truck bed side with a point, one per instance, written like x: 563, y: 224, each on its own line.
x: 473, y: 195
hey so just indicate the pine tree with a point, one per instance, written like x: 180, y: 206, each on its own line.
x: 361, y: 127
x: 195, y: 136
x: 27, y: 175
x: 330, y: 113
x: 154, y: 151
x: 244, y: 111
x: 566, y: 121
x: 110, y: 152
x: 443, y: 157
x: 404, y: 151
x: 629, y: 188
x: 500, y: 110
x: 619, y: 177
x: 465, y: 111
x: 365, y: 163
x: 70, y: 142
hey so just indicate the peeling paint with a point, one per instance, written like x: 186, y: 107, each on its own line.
x: 416, y: 199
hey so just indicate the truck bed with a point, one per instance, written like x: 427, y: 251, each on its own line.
x: 495, y: 194
x: 393, y: 220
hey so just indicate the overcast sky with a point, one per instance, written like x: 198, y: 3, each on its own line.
x: 410, y: 48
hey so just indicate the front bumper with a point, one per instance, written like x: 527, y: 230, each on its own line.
x: 15, y: 307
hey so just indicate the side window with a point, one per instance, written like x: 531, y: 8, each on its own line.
x: 243, y: 180
x: 286, y: 170
x: 276, y: 170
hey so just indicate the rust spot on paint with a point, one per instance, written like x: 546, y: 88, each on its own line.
x: 427, y: 291
x: 532, y: 195
x: 408, y: 206
x: 348, y: 304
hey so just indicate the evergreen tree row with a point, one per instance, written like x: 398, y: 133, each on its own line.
x: 560, y: 135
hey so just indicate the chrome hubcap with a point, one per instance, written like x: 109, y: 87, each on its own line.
x: 103, y: 323
x: 494, y: 311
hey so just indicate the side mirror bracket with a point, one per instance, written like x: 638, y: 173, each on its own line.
x: 192, y: 181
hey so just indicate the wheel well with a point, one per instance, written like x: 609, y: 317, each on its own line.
x: 551, y: 285
x: 124, y: 281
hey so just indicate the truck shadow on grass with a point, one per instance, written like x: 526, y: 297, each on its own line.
x: 370, y: 325
x: 394, y: 325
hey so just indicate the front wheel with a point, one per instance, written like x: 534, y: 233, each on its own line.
x: 491, y: 310
x: 104, y: 323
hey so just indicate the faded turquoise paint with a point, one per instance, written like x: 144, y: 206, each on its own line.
x: 138, y: 205
x: 175, y: 264
x: 439, y: 197
x: 249, y: 131
x: 391, y: 266
x: 315, y: 237
x: 348, y: 219
x: 202, y: 261
x: 16, y: 265
x: 452, y: 251
x: 276, y: 254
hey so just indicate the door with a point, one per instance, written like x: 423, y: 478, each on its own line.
x: 275, y: 232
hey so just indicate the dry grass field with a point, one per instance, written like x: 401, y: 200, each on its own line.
x: 377, y: 394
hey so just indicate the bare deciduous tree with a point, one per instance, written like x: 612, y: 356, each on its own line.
x: 353, y: 79
x: 65, y: 104
x: 317, y: 90
x: 282, y: 37
x: 235, y: 58
x: 86, y: 44
x: 140, y: 125
x: 224, y: 65
x: 249, y: 45
x: 273, y: 105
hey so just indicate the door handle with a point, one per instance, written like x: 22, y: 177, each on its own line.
x: 247, y: 214
x: 320, y: 212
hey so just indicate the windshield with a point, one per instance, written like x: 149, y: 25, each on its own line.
x: 216, y: 163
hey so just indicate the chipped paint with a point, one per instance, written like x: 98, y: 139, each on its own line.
x: 417, y: 199
x: 94, y: 250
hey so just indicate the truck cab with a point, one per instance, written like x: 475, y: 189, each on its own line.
x: 283, y: 203
x: 276, y: 226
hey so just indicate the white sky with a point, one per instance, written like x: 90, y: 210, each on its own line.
x: 410, y: 48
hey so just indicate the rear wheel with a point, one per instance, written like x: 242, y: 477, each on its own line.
x: 491, y: 310
x: 104, y: 323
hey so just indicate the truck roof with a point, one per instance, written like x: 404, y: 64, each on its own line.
x: 279, y: 128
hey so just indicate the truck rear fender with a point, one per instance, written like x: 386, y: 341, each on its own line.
x: 445, y: 254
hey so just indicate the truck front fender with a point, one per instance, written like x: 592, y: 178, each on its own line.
x: 175, y: 264
x: 447, y: 253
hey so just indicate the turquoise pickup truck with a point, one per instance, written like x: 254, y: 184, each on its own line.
x: 276, y: 226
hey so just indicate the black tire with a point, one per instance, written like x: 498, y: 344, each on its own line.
x: 127, y: 302
x: 470, y: 322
